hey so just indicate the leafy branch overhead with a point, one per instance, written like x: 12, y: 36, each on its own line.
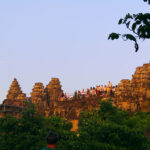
x: 147, y: 1
x: 137, y: 24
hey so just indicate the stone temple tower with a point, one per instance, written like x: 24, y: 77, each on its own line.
x: 15, y: 96
x: 38, y: 94
x: 134, y: 94
x: 54, y: 90
x: 14, y: 90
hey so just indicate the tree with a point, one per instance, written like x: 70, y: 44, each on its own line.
x: 29, y: 132
x: 110, y: 128
x: 147, y: 1
x: 137, y: 24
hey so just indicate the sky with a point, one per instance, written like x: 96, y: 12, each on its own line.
x: 67, y: 39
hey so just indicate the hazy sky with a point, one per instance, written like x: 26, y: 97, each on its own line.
x: 41, y: 39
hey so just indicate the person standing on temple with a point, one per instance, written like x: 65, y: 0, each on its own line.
x: 105, y: 90
x: 88, y: 93
x: 83, y: 93
x: 102, y: 89
x: 97, y: 91
x: 109, y: 84
x: 68, y: 96
x: 61, y: 96
x: 94, y: 92
x: 109, y: 88
x: 75, y: 94
x: 79, y: 94
x: 91, y: 91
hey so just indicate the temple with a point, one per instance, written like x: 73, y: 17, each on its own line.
x: 134, y: 95
x: 130, y: 95
x: 14, y: 102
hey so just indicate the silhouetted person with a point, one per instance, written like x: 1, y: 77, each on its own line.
x: 52, y: 141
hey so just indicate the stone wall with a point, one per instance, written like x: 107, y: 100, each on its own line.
x: 71, y: 109
x: 10, y: 110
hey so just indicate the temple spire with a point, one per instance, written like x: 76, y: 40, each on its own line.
x: 14, y: 90
x: 38, y: 94
x: 54, y: 89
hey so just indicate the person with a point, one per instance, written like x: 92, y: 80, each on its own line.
x: 52, y: 141
x: 79, y: 94
x: 97, y: 91
x: 75, y: 94
x: 108, y: 90
x: 83, y: 93
x: 105, y: 90
x: 102, y: 89
x: 94, y: 92
x: 109, y: 84
x: 91, y: 91
x: 61, y: 96
x: 66, y: 96
x: 88, y: 93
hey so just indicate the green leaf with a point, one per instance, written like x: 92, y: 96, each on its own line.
x: 113, y: 36
x: 128, y: 23
x: 147, y: 1
x: 134, y: 26
x: 138, y: 22
x: 128, y: 16
x: 129, y: 37
x: 120, y: 21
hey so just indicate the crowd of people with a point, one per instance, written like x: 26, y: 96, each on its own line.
x: 99, y: 90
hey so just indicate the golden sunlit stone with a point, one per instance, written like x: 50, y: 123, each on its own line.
x: 38, y: 94
x: 54, y: 89
x: 131, y: 95
x: 134, y: 95
x: 14, y: 90
x: 15, y: 97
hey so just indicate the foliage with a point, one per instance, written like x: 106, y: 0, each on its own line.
x: 147, y: 1
x: 108, y: 128
x: 137, y: 24
x: 30, y: 131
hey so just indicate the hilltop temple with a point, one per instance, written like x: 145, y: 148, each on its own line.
x: 131, y: 95
x: 47, y: 101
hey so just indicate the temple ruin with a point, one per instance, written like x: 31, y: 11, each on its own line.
x: 14, y: 102
x: 131, y: 95
x: 15, y: 96
x: 14, y: 90
x: 134, y: 95
x: 53, y: 90
x: 38, y: 94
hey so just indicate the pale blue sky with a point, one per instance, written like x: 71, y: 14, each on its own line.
x: 41, y: 39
